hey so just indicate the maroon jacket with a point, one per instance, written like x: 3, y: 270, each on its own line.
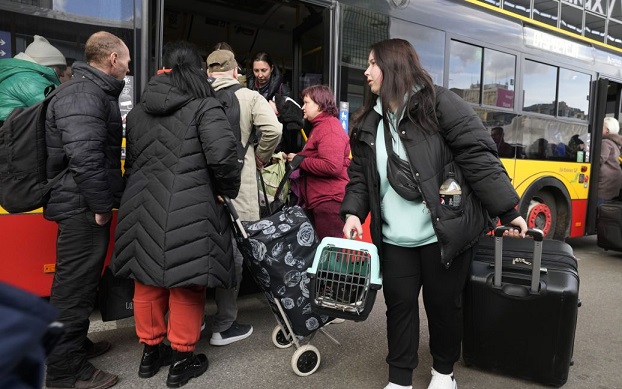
x: 327, y: 157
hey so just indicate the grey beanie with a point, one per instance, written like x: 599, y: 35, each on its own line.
x: 44, y: 53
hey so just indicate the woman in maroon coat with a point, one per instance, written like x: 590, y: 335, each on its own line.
x: 323, y: 171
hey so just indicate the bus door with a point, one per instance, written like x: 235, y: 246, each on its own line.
x: 312, y: 51
x: 608, y: 103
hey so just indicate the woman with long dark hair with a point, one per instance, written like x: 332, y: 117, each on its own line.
x: 407, y: 139
x: 173, y: 237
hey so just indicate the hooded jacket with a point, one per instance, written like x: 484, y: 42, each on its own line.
x: 23, y: 83
x: 84, y: 132
x: 181, y: 153
x: 461, y: 145
x: 254, y: 111
x: 610, y: 176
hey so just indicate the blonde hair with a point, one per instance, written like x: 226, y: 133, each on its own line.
x: 612, y: 125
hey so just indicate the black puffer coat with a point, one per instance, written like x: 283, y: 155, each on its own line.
x: 463, y: 146
x: 83, y: 130
x: 181, y: 153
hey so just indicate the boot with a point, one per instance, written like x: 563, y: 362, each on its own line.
x: 154, y: 357
x: 185, y: 366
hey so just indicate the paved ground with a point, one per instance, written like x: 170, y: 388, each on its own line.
x: 359, y: 361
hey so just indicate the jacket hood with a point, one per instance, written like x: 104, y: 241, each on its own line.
x: 110, y: 85
x: 161, y: 97
x: 223, y: 82
x: 11, y: 66
x: 615, y: 138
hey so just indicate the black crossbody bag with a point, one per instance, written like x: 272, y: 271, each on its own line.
x: 399, y: 172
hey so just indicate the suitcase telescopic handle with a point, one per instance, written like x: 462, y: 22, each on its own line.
x: 538, y: 237
x: 236, y: 218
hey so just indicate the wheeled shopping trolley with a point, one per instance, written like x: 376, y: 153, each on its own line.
x: 278, y: 250
x: 345, y: 277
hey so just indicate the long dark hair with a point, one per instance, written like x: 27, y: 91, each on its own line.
x: 187, y: 71
x: 402, y: 73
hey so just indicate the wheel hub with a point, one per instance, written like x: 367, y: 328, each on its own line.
x: 307, y: 361
x: 539, y: 216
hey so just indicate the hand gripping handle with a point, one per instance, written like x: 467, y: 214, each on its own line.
x: 538, y: 237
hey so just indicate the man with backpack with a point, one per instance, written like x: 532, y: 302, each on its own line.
x: 248, y: 112
x: 83, y: 137
x: 29, y: 76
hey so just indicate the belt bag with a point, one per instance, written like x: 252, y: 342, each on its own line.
x: 399, y: 172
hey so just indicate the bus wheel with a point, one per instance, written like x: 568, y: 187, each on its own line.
x: 542, y: 213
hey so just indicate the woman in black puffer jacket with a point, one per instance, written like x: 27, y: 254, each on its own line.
x: 173, y: 235
x: 422, y: 243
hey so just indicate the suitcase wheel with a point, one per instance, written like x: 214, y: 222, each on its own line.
x: 280, y: 338
x: 306, y: 360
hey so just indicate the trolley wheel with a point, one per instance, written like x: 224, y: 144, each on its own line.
x: 306, y: 360
x: 280, y: 339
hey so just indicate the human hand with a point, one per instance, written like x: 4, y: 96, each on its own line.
x: 515, y: 233
x: 352, y: 228
x: 290, y: 157
x: 103, y: 218
x: 273, y: 105
x: 220, y: 198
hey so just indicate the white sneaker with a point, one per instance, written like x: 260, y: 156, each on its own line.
x: 442, y: 381
x: 396, y: 386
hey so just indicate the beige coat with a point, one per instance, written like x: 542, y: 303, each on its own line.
x: 254, y: 109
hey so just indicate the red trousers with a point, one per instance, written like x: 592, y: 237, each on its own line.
x: 185, y: 308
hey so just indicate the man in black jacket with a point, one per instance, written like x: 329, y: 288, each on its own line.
x: 83, y: 135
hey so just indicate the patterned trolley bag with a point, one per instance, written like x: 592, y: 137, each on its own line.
x: 345, y: 277
x: 278, y: 250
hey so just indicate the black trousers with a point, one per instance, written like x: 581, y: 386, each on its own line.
x: 405, y: 272
x: 81, y: 246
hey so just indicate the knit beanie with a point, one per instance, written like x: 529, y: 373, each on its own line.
x: 44, y: 53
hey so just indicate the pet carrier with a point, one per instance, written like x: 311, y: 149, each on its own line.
x: 345, y: 277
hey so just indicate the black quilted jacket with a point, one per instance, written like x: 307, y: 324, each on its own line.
x: 83, y: 131
x: 181, y: 153
x: 462, y: 146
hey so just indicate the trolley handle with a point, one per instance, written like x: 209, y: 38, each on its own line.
x: 237, y: 224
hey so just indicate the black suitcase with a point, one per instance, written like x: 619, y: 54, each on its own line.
x: 609, y: 225
x: 520, y: 319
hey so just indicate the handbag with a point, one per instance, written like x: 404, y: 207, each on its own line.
x: 399, y: 173
x: 115, y: 296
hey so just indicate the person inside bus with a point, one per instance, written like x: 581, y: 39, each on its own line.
x: 173, y: 237
x: 610, y: 176
x: 29, y: 76
x: 268, y: 81
x: 575, y: 145
x: 83, y: 138
x: 504, y: 149
x: 254, y: 112
x: 421, y: 242
x: 325, y: 160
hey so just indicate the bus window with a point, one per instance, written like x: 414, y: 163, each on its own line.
x: 429, y: 43
x: 539, y: 86
x: 465, y: 69
x: 574, y: 94
x: 499, y: 75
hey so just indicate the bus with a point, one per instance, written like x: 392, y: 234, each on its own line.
x: 542, y: 75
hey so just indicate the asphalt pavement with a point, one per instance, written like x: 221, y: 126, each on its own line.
x: 359, y: 360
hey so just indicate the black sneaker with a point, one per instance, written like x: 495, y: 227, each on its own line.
x: 236, y: 332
